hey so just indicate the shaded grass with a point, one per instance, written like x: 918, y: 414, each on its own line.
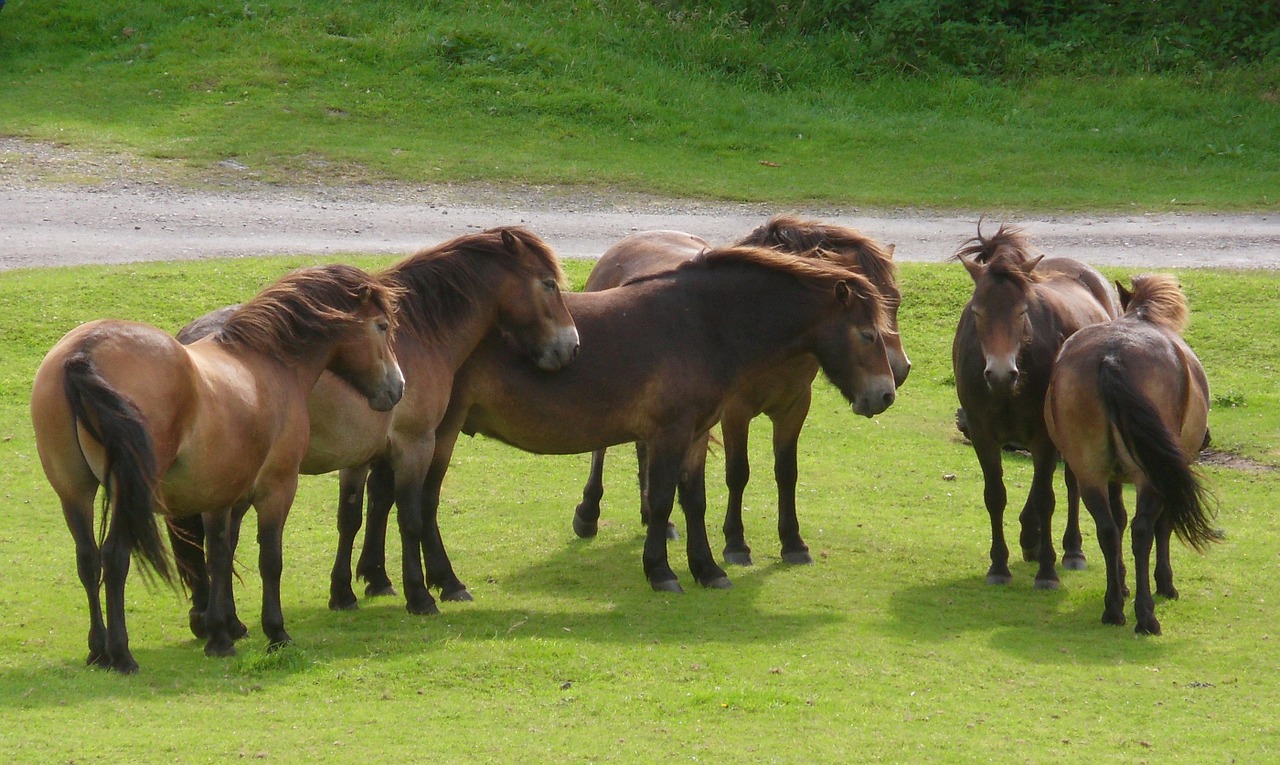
x: 889, y: 649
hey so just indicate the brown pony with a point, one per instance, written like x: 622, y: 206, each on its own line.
x: 505, y: 280
x: 659, y: 356
x: 1021, y: 311
x: 200, y: 430
x: 1129, y: 402
x: 782, y: 392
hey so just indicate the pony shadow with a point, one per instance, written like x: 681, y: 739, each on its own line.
x: 1040, y: 626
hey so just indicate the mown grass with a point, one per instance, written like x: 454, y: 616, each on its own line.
x: 889, y: 649
x: 627, y: 95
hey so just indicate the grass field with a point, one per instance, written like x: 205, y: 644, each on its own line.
x: 889, y: 649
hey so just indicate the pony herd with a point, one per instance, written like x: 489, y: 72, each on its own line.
x: 376, y: 375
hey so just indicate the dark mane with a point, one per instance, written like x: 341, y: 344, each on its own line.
x: 446, y: 282
x: 1157, y: 298
x: 841, y: 244
x: 1003, y: 266
x: 1008, y: 242
x: 815, y: 273
x: 305, y: 307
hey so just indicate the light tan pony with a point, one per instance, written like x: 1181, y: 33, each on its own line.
x: 199, y: 430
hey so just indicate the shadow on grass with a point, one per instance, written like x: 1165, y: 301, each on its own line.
x: 1042, y: 626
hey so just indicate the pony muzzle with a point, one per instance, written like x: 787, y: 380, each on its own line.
x: 389, y: 393
x: 876, y: 398
x: 561, y: 351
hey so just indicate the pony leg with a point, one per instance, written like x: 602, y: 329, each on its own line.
x: 351, y: 483
x: 1040, y: 506
x: 372, y: 566
x: 116, y: 550
x: 642, y: 479
x: 1164, y: 566
x: 273, y: 510
x: 586, y: 516
x: 663, y: 473
x: 79, y: 518
x: 1109, y: 539
x: 1072, y: 543
x: 692, y: 489
x: 1145, y: 521
x: 218, y: 550
x: 1115, y: 494
x: 186, y: 538
x: 734, y: 428
x: 439, y: 568
x: 995, y: 498
x: 786, y: 472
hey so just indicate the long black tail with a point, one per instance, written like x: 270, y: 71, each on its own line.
x: 1187, y: 501
x: 115, y: 422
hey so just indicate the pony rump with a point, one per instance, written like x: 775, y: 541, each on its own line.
x: 130, y: 472
x: 305, y: 307
x: 1187, y: 501
x: 1158, y: 299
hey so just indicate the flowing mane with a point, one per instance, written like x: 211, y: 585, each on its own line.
x: 1156, y: 298
x: 304, y: 307
x: 448, y: 280
x: 1008, y: 242
x: 815, y: 273
x: 840, y: 244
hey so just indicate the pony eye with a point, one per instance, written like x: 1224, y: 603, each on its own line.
x: 869, y: 335
x: 550, y: 284
x: 384, y: 326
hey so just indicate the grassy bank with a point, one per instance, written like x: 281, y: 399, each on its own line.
x: 889, y: 649
x: 625, y: 95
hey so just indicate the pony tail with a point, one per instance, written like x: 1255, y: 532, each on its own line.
x: 1187, y: 501
x: 131, y: 474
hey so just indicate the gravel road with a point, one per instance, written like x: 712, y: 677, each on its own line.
x: 63, y: 207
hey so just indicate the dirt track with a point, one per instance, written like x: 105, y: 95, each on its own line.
x: 59, y: 207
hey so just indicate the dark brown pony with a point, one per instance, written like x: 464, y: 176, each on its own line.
x: 1129, y: 402
x: 782, y: 392
x: 659, y: 356
x: 1021, y: 311
x: 200, y: 430
x: 504, y: 280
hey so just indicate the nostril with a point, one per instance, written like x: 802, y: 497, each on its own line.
x: 889, y: 398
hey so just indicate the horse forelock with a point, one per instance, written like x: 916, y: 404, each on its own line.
x: 841, y: 244
x: 1008, y: 242
x: 816, y: 273
x: 306, y: 306
x: 446, y: 283
x: 1158, y: 299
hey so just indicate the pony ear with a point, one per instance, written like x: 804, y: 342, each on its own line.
x: 510, y: 241
x: 1031, y: 263
x: 974, y: 268
x: 889, y: 248
x: 1125, y: 296
x: 844, y: 293
x: 366, y: 294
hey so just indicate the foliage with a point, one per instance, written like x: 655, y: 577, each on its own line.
x: 889, y: 649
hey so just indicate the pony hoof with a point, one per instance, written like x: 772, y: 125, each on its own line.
x: 1047, y: 584
x: 98, y: 659
x: 457, y: 596
x: 1113, y: 619
x: 1030, y: 554
x: 220, y: 650
x: 669, y: 585
x: 124, y: 665
x: 281, y: 642
x: 1170, y: 592
x: 423, y: 609
x: 584, y: 529
x: 239, y: 630
x: 738, y: 558
x: 999, y: 578
x: 1147, y: 628
x: 1074, y: 562
x: 379, y: 590
x: 798, y: 557
x: 672, y: 532
x: 718, y: 583
x: 343, y: 603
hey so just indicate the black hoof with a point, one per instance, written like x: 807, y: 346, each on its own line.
x: 281, y: 642
x: 457, y: 596
x: 738, y: 558
x: 1114, y: 619
x: 423, y: 609
x: 125, y: 665
x: 98, y: 659
x: 801, y: 557
x: 1170, y: 592
x: 718, y: 583
x: 343, y: 603
x: 667, y: 585
x: 1074, y: 562
x: 239, y: 630
x: 999, y: 578
x: 220, y: 650
x: 1147, y: 627
x: 1047, y: 584
x: 585, y: 529
x: 1030, y: 554
x: 379, y: 590
x: 672, y: 533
